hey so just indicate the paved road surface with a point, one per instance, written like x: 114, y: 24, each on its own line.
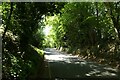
x: 64, y: 66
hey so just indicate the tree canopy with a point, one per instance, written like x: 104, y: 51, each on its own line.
x: 23, y: 33
x: 88, y: 29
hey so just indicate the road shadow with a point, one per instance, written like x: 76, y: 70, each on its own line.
x: 68, y: 67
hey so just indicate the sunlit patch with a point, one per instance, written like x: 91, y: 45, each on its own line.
x: 106, y: 73
x: 47, y: 30
x: 113, y: 74
x: 94, y: 72
x: 46, y: 52
x: 77, y: 62
x: 111, y: 69
x: 83, y: 63
x: 55, y: 57
x: 65, y: 58
x: 99, y: 73
x: 68, y: 61
x: 87, y: 74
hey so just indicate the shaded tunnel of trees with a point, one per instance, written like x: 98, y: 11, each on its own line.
x: 88, y: 29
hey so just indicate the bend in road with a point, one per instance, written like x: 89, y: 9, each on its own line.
x: 67, y: 66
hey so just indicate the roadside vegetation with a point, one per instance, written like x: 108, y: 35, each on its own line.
x: 88, y: 29
x: 22, y: 34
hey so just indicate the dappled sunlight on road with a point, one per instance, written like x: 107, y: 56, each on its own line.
x: 68, y: 66
x: 60, y: 57
x: 54, y: 57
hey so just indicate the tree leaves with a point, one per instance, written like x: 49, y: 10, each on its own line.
x: 24, y: 20
x: 86, y: 26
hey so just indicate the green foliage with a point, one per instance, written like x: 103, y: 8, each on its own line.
x: 90, y: 29
x: 40, y: 52
x: 57, y: 32
x: 23, y: 29
x: 87, y: 27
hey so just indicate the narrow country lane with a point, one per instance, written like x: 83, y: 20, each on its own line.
x: 63, y: 66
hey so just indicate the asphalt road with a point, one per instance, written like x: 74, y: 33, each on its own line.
x: 65, y: 66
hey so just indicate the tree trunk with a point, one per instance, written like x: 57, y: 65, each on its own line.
x: 115, y: 18
x: 8, y: 20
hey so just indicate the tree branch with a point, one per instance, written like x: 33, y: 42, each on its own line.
x: 8, y: 20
